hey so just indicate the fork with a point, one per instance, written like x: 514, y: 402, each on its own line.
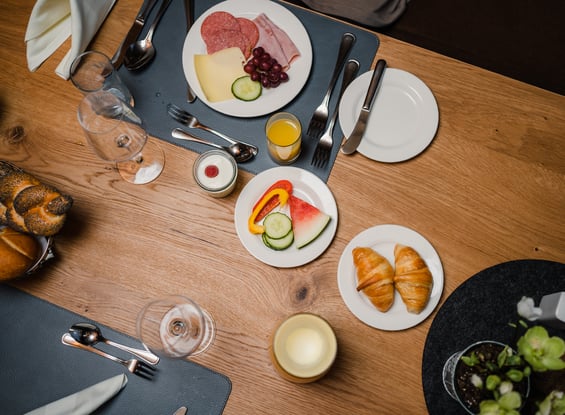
x: 325, y: 144
x: 184, y: 117
x: 320, y: 116
x: 135, y: 366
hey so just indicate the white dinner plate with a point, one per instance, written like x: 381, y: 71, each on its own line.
x: 273, y: 98
x: 382, y: 239
x: 307, y: 187
x: 403, y: 120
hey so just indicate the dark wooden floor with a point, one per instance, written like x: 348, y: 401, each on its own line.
x: 521, y: 39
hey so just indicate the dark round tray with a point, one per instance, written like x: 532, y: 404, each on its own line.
x: 479, y: 309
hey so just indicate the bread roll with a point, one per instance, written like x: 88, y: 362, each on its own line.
x: 28, y: 205
x: 375, y: 277
x: 18, y: 252
x: 413, y: 279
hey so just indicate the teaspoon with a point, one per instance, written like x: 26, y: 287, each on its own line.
x: 140, y: 53
x: 241, y: 152
x: 89, y: 334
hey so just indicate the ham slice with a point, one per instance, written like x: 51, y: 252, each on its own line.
x: 275, y: 41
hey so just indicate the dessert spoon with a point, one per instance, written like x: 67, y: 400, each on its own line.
x: 241, y: 152
x: 90, y: 334
x: 140, y: 53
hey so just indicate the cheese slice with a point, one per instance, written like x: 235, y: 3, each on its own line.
x: 217, y: 72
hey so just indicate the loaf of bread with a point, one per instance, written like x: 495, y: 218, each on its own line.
x: 18, y: 252
x: 28, y: 205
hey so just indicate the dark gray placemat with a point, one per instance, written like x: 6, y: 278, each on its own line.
x: 36, y: 368
x: 163, y: 82
x: 480, y: 309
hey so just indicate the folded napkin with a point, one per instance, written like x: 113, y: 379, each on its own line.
x: 53, y: 21
x: 85, y: 401
x: 375, y: 13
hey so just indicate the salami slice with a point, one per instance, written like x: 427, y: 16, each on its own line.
x: 223, y: 39
x: 218, y: 21
x: 249, y: 29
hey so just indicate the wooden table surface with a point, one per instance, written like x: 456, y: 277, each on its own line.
x: 489, y: 189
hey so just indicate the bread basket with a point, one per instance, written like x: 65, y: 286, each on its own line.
x: 45, y: 242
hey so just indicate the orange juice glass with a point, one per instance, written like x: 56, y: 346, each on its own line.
x: 284, y: 137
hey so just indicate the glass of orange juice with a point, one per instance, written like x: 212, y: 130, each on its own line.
x: 284, y: 137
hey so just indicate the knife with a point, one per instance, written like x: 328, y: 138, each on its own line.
x: 354, y: 139
x: 189, y: 20
x: 133, y: 33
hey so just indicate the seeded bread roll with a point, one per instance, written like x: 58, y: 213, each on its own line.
x: 18, y: 252
x: 30, y: 206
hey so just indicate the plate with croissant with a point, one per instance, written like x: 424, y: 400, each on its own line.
x: 390, y: 277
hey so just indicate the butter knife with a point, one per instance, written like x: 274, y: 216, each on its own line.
x: 190, y: 97
x: 351, y: 144
x: 133, y: 33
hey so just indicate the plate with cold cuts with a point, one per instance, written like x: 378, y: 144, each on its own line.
x: 382, y: 239
x: 403, y: 120
x: 308, y: 187
x: 255, y: 10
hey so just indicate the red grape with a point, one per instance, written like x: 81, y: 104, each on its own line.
x: 265, y: 69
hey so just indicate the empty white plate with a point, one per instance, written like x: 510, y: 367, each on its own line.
x: 403, y: 120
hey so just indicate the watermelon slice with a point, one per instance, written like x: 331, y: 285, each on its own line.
x: 308, y: 222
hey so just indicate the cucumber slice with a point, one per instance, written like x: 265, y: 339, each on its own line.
x: 277, y: 225
x: 279, y: 244
x: 245, y: 89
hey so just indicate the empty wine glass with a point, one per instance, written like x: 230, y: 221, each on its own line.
x: 117, y: 134
x: 175, y: 326
x: 93, y: 71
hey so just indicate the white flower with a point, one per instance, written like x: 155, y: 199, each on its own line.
x: 527, y: 310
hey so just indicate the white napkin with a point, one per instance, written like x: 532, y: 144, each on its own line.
x: 85, y: 401
x: 53, y: 21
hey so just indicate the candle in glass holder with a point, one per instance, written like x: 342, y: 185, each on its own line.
x: 303, y: 348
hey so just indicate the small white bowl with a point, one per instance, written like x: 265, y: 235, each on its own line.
x: 215, y: 172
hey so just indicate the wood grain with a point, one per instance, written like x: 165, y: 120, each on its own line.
x: 489, y: 189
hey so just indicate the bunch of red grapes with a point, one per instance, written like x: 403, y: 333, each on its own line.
x: 263, y: 68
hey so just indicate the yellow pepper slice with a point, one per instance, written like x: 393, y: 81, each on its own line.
x: 283, y: 198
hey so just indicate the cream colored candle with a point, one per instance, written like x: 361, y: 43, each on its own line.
x: 304, y: 348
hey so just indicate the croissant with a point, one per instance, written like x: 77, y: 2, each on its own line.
x: 412, y: 278
x: 375, y: 277
x: 28, y: 205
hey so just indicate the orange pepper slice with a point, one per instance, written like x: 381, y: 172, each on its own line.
x: 283, y: 198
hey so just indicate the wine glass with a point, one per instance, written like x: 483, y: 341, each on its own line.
x: 93, y: 71
x: 117, y: 134
x: 175, y: 326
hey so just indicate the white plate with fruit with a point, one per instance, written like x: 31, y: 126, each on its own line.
x: 292, y: 234
x: 216, y: 70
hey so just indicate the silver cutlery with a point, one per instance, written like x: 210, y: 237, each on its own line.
x: 140, y: 53
x: 90, y: 334
x: 351, y: 144
x: 321, y: 114
x: 133, y: 32
x: 133, y: 365
x: 182, y: 116
x: 190, y: 96
x: 324, y: 148
x: 240, y: 152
